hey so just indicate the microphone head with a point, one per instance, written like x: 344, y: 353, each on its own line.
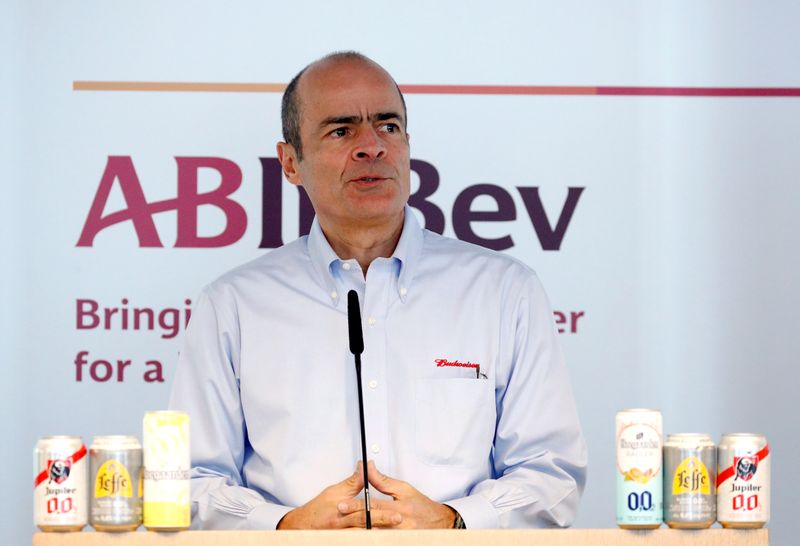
x: 354, y: 323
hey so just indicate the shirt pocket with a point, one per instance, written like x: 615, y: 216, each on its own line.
x: 455, y: 420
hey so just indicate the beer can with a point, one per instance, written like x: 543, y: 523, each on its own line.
x: 60, y: 483
x: 743, y: 481
x: 116, y: 469
x: 167, y: 465
x: 639, y: 458
x: 690, y: 493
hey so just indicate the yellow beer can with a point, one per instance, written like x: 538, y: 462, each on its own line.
x: 167, y: 468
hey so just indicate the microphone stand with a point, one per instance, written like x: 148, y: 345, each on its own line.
x: 357, y: 347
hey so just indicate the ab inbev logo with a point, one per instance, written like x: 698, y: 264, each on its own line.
x: 549, y: 228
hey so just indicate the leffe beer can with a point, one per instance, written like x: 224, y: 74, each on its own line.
x: 690, y: 500
x: 60, y: 484
x: 167, y: 465
x: 743, y: 481
x: 116, y: 470
x: 639, y: 459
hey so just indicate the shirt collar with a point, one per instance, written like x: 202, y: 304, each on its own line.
x: 407, y: 253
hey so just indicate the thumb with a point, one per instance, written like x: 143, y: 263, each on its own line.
x: 353, y: 484
x: 397, y: 489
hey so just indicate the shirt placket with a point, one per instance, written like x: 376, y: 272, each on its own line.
x: 373, y: 375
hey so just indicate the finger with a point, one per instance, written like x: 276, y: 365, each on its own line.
x: 348, y: 507
x: 354, y: 505
x: 350, y: 486
x: 378, y: 518
x: 398, y: 489
x: 385, y: 518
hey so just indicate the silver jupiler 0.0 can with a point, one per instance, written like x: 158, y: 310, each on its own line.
x: 690, y: 499
x: 116, y: 487
x: 743, y: 481
x: 639, y: 460
x: 167, y: 467
x: 60, y: 498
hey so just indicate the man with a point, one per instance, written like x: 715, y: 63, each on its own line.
x: 470, y: 418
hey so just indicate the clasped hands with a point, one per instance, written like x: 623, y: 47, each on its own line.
x: 337, y: 508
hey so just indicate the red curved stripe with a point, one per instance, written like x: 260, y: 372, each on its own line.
x: 728, y: 472
x: 75, y: 457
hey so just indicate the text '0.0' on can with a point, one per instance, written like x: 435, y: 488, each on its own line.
x: 60, y: 498
x: 639, y: 459
x: 743, y: 481
x: 167, y: 466
x: 690, y: 500
x: 116, y: 471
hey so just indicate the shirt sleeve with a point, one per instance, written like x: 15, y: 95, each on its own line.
x: 206, y: 385
x: 539, y: 453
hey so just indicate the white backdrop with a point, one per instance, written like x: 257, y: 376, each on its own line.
x: 682, y: 250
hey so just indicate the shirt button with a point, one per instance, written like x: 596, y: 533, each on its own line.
x: 375, y: 448
x: 372, y: 321
x: 373, y: 384
x: 403, y: 291
x: 334, y: 295
x: 346, y: 266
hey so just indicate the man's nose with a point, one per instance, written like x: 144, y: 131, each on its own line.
x: 369, y: 145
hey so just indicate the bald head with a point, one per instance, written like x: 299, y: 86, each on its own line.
x: 292, y: 104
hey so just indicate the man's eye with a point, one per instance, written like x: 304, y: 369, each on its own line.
x: 390, y: 127
x: 339, y: 132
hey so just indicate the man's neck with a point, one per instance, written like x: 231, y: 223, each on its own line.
x: 364, y: 243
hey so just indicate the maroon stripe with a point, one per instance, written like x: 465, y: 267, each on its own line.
x: 701, y: 91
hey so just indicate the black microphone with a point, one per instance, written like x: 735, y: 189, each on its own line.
x: 357, y: 347
x: 354, y: 325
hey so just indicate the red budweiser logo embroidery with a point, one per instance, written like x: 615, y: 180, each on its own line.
x: 443, y: 362
x: 440, y: 362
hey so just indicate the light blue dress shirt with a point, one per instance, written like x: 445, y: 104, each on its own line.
x: 466, y: 393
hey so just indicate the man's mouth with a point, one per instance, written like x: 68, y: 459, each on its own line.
x: 369, y: 179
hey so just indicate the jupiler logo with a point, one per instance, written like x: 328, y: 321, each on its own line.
x: 59, y: 470
x: 745, y: 467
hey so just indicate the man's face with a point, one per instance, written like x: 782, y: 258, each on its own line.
x: 355, y: 164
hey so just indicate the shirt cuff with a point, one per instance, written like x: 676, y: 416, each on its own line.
x: 476, y: 511
x: 267, y: 516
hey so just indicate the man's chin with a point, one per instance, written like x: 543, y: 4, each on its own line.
x: 374, y: 212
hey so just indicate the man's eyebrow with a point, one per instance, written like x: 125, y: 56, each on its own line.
x: 340, y: 120
x: 352, y: 120
x: 383, y: 116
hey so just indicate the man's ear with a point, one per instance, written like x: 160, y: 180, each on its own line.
x: 287, y: 156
